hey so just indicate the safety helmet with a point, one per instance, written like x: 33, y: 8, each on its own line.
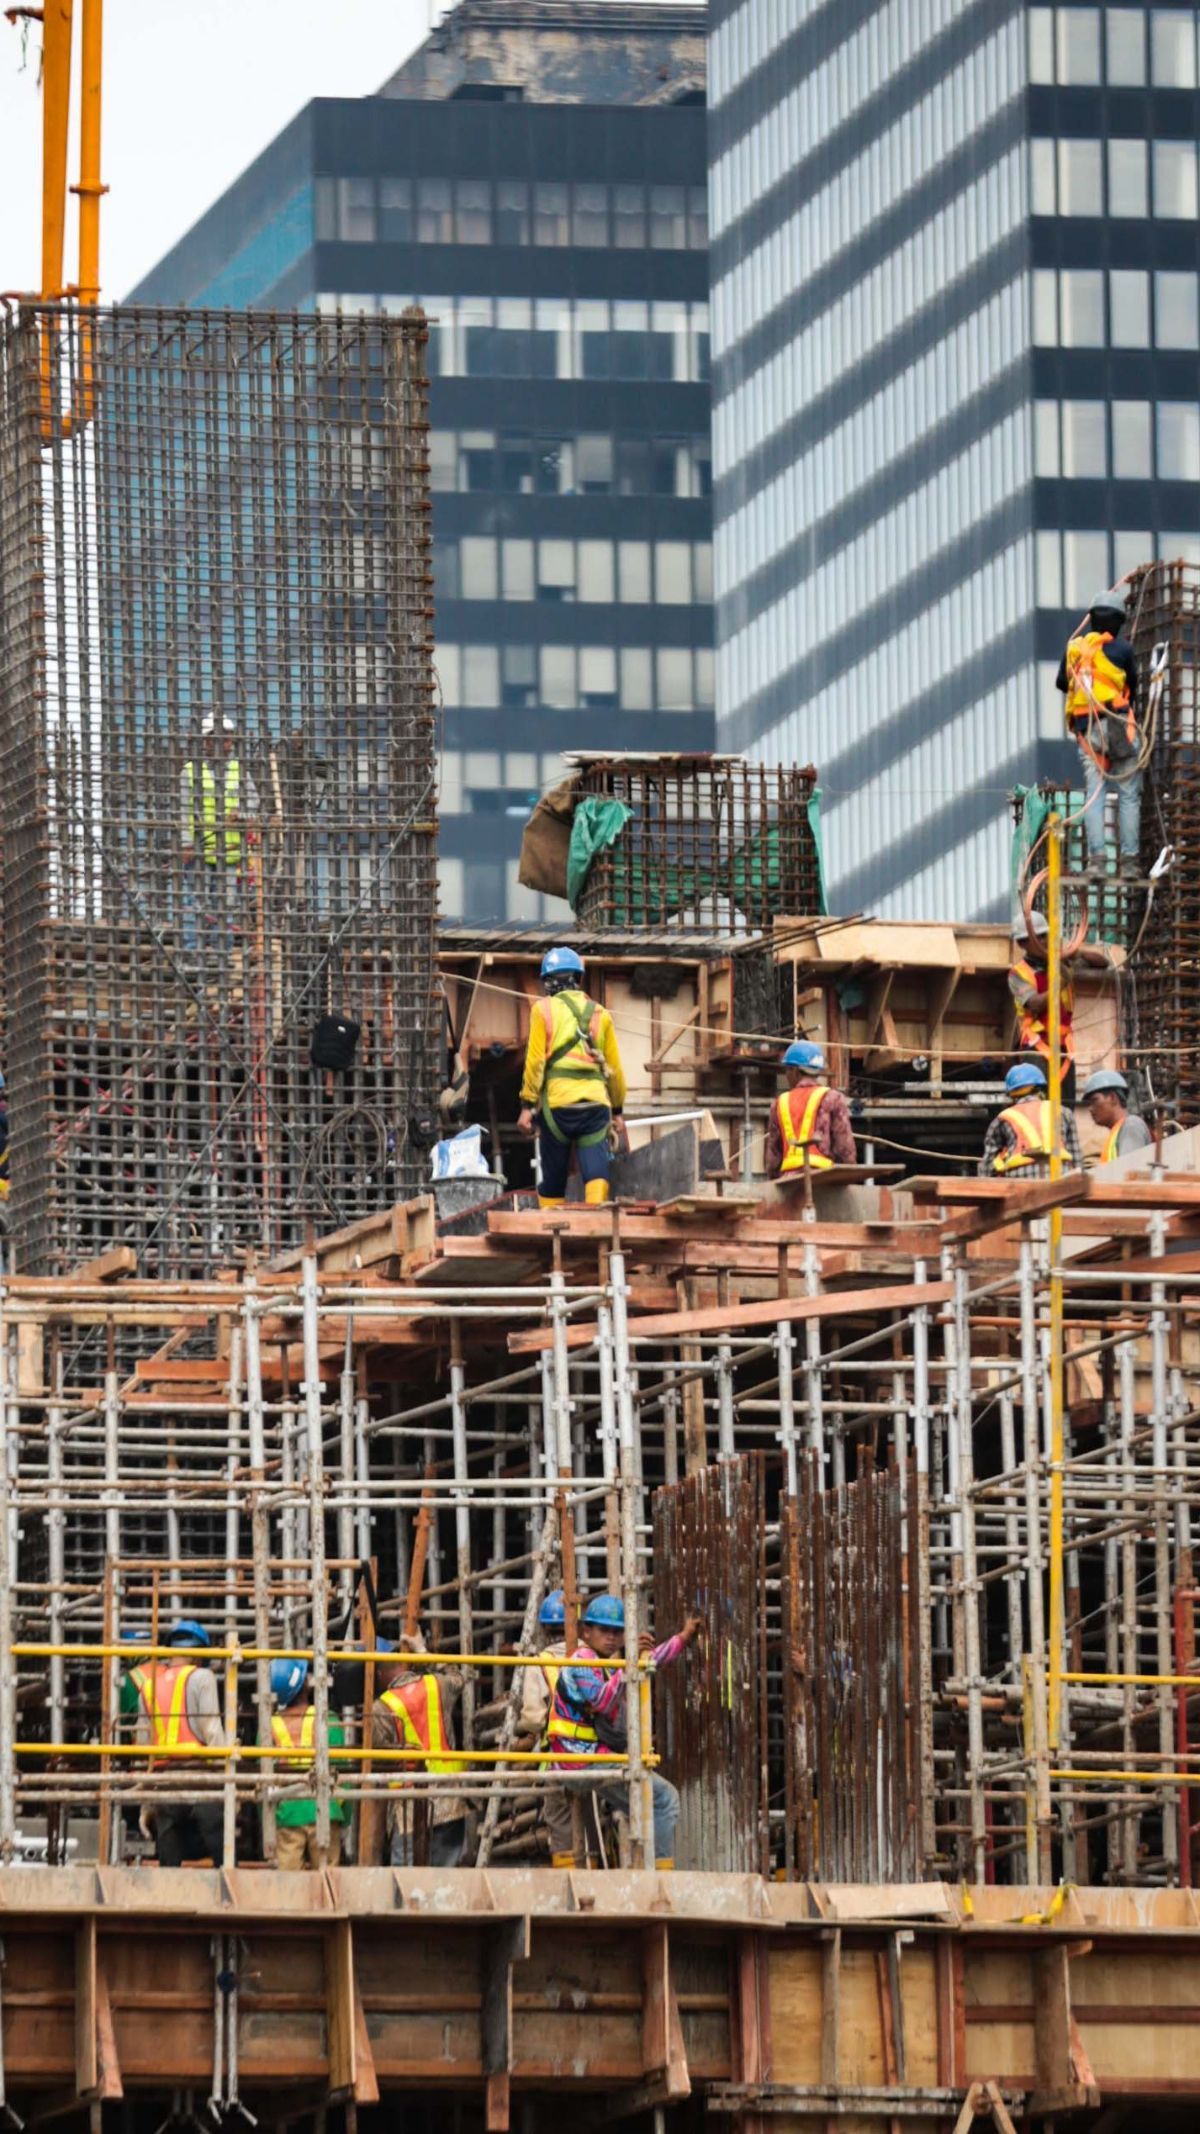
x: 809, y: 1058
x: 1110, y: 604
x: 209, y: 725
x: 553, y: 1611
x: 606, y: 1612
x: 558, y: 961
x: 1041, y: 927
x: 187, y: 1632
x: 1104, y: 1079
x: 1022, y: 1077
x: 288, y: 1678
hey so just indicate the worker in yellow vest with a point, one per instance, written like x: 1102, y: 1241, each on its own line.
x: 218, y: 807
x: 180, y: 1713
x: 1099, y: 678
x: 810, y: 1123
x: 1106, y: 1094
x: 293, y: 1727
x: 575, y: 1081
x: 1019, y: 1140
x: 415, y: 1710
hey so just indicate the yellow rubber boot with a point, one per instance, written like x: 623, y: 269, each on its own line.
x: 543, y: 1203
x: 665, y: 1867
x: 562, y: 1859
x: 595, y: 1192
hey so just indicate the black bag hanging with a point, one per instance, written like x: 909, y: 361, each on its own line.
x: 334, y: 1043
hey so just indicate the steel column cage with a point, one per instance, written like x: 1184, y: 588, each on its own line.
x: 219, y: 812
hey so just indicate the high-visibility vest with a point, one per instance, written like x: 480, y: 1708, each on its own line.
x: 1033, y: 1139
x: 417, y: 1709
x: 162, y: 1687
x: 797, y: 1139
x: 214, y: 848
x: 1094, y: 682
x: 289, y: 1736
x: 552, y: 1664
x: 1111, y: 1146
x: 1035, y: 1019
x: 574, y: 1045
x: 564, y: 1730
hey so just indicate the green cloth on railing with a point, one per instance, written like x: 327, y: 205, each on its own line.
x: 814, y: 824
x: 649, y: 887
x: 596, y: 825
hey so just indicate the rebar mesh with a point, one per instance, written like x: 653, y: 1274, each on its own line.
x: 219, y: 811
x: 1165, y: 602
x: 710, y: 841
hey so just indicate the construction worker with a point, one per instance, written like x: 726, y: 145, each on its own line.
x: 181, y: 1710
x: 1019, y: 1138
x: 538, y: 1683
x: 1029, y: 984
x: 415, y: 1710
x: 1106, y: 1094
x: 1099, y: 678
x: 810, y: 1123
x: 575, y: 1081
x: 218, y: 801
x: 587, y: 1716
x: 292, y: 1728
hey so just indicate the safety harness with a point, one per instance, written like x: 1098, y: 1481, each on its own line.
x: 1097, y: 688
x: 584, y: 1039
x: 1035, y: 1021
x: 1033, y: 1141
x: 796, y: 1140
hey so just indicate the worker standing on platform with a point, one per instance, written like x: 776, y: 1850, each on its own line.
x: 574, y: 1079
x: 1106, y: 1094
x: 1020, y: 1138
x: 538, y: 1685
x: 810, y: 1123
x: 218, y: 801
x: 181, y: 1710
x: 292, y: 1728
x: 1098, y: 676
x: 415, y: 1710
x: 587, y: 1718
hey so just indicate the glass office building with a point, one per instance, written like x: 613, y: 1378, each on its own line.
x: 954, y: 271
x: 536, y: 177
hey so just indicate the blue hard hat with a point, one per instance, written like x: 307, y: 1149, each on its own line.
x: 557, y: 960
x: 187, y: 1632
x: 810, y: 1057
x: 607, y: 1611
x: 1024, y: 1076
x: 553, y: 1611
x: 288, y: 1678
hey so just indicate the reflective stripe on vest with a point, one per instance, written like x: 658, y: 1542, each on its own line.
x: 214, y: 848
x: 1111, y: 1148
x: 417, y: 1709
x: 1094, y: 683
x: 1033, y: 1141
x: 162, y: 1688
x: 574, y: 1048
x: 287, y: 1737
x: 796, y: 1140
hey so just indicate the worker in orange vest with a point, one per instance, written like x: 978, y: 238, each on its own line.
x: 415, y: 1710
x: 1029, y: 984
x: 574, y: 1080
x: 1098, y: 676
x: 180, y: 1713
x: 1020, y: 1138
x: 810, y: 1123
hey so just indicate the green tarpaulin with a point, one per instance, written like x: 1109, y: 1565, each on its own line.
x: 597, y: 825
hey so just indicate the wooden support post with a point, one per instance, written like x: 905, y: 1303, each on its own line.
x: 504, y: 1944
x: 831, y: 1987
x: 97, y: 2068
x: 351, y: 2065
x: 1065, y: 2081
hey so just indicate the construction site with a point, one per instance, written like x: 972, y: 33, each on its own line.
x: 918, y: 1447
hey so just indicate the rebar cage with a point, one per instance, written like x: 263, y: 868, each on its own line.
x: 1164, y: 604
x: 219, y: 811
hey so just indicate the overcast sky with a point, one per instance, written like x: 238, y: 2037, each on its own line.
x: 193, y: 89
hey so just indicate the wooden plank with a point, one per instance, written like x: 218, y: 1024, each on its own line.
x: 831, y: 2004
x: 87, y: 2066
x: 351, y: 2065
x: 504, y: 1944
x: 735, y: 1318
x: 107, y: 1266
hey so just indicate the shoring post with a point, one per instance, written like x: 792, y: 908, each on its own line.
x: 953, y: 1502
x: 233, y: 1469
x: 641, y: 1819
x: 110, y: 1833
x: 260, y: 1542
x: 1038, y: 1808
x: 558, y: 1446
x: 56, y: 1538
x: 1127, y: 1383
x: 1160, y: 1410
x: 347, y: 1491
x: 784, y: 1347
x: 812, y: 1344
x: 1012, y: 1535
x: 1054, y: 980
x: 609, y: 1447
x: 316, y: 1543
x: 726, y: 1447
x: 963, y: 1424
x: 462, y: 1525
x: 9, y: 1441
x: 923, y: 1688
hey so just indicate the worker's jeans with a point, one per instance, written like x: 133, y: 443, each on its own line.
x: 446, y: 1842
x: 615, y: 1791
x: 574, y: 1121
x: 188, y: 1830
x: 1127, y: 785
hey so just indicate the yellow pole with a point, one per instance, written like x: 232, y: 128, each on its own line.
x: 89, y: 187
x: 1054, y: 975
x: 56, y: 109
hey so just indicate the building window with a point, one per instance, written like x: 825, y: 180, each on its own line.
x: 1083, y: 455
x: 1042, y: 188
x: 1129, y: 550
x: 1078, y: 45
x: 1049, y: 570
x: 474, y: 208
x: 477, y: 571
x: 445, y: 570
x: 1131, y: 449
x: 1079, y: 184
x: 1173, y: 47
x: 594, y: 465
x: 558, y: 676
x: 476, y: 454
x: 590, y: 213
x: 356, y: 210
x: 514, y: 465
x: 698, y: 217
x: 551, y: 225
x: 1085, y: 566
x: 443, y: 460
x: 1129, y: 307
x: 633, y: 572
x: 396, y: 224
x: 674, y: 679
x: 435, y: 221
x: 480, y: 676
x: 668, y: 218
x: 554, y: 466
x: 1175, y: 311
x: 637, y: 685
x: 518, y: 683
x: 595, y: 565
x: 1125, y: 39
x: 1175, y: 179
x: 597, y: 677
x: 629, y: 217
x: 556, y: 570
x: 1045, y: 307
x: 1045, y: 440
x: 1127, y: 189
x: 1041, y: 44
x: 1082, y: 300
x: 516, y: 562
x: 512, y: 212
x: 1179, y: 440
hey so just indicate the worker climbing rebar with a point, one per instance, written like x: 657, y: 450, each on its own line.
x: 810, y: 1122
x: 1029, y: 984
x: 1098, y: 675
x: 574, y: 1080
x: 218, y: 805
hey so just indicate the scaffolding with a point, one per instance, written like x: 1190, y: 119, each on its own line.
x: 219, y: 816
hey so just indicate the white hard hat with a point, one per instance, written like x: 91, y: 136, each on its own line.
x: 210, y: 725
x: 1041, y: 927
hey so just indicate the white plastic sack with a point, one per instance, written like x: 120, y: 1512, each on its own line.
x: 461, y: 1157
